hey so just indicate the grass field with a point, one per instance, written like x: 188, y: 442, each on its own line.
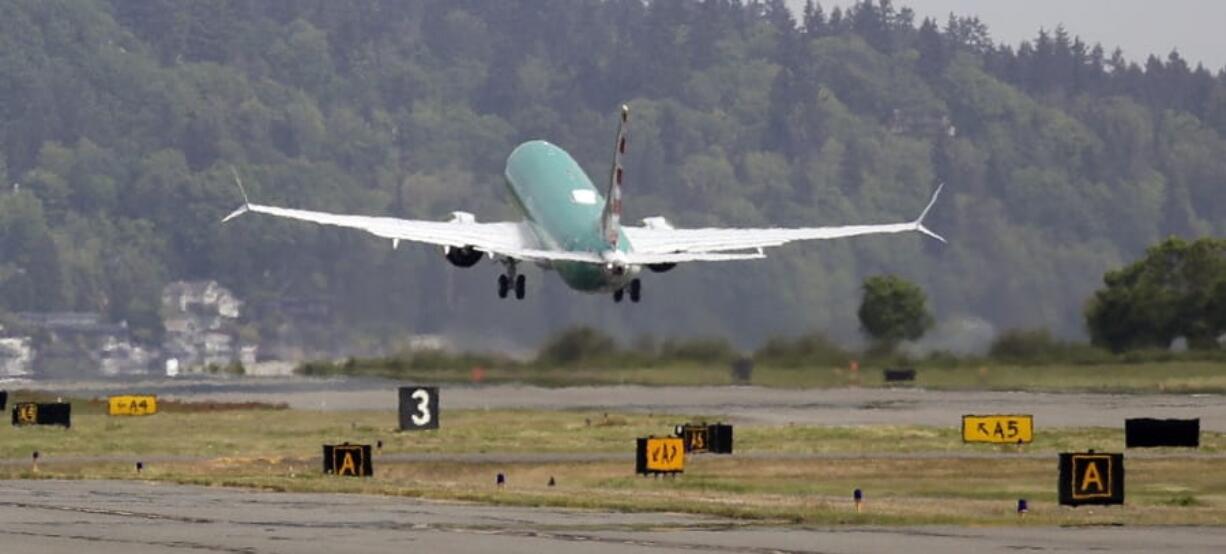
x: 797, y: 474
x: 293, y: 433
x: 1149, y: 377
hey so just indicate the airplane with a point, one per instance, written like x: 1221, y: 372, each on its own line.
x: 569, y: 227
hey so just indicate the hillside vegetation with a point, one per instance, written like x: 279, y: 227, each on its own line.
x: 119, y: 121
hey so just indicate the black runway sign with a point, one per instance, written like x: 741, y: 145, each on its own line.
x: 418, y: 408
x: 695, y: 438
x: 899, y: 375
x: 716, y: 439
x: 719, y: 438
x: 1147, y: 432
x: 36, y: 413
x: 348, y: 460
x: 1091, y: 478
x: 4, y: 399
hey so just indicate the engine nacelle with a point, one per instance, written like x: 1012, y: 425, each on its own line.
x: 658, y: 222
x: 462, y: 257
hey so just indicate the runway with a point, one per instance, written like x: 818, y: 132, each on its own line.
x: 119, y: 517
x: 743, y: 405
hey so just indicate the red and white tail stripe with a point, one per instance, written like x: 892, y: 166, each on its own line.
x: 610, y: 221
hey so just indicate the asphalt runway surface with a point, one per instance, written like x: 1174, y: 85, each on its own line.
x: 120, y: 517
x: 742, y: 405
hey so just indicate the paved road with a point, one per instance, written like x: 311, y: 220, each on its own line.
x: 110, y: 517
x: 744, y: 405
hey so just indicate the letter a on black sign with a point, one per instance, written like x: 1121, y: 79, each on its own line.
x: 347, y: 465
x: 348, y: 460
x: 1091, y: 476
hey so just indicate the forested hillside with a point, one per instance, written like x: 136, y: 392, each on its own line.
x: 119, y: 120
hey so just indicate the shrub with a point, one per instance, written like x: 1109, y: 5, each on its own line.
x: 708, y: 350
x: 807, y: 350
x: 1033, y: 346
x: 577, y: 344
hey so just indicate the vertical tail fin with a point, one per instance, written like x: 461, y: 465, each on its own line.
x: 610, y: 220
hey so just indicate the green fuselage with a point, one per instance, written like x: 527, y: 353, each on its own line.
x: 564, y: 209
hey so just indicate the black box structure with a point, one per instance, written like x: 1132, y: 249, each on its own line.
x: 348, y: 459
x: 899, y: 375
x: 1091, y: 478
x: 1147, y: 432
x: 40, y: 413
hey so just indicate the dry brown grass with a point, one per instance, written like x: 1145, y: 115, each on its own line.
x: 799, y: 474
x: 1183, y: 491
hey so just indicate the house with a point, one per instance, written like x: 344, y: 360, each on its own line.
x: 201, y: 297
x: 201, y: 319
x: 75, y: 343
x: 121, y: 357
x: 16, y: 356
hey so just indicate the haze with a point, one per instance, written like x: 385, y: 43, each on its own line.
x: 1139, y: 27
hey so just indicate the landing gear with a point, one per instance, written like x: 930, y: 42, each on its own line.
x: 636, y: 292
x: 503, y: 286
x: 511, y: 281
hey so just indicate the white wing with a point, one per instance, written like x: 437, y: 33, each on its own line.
x: 510, y: 239
x: 682, y: 245
x: 484, y: 236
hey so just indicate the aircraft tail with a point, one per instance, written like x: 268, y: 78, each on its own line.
x: 610, y: 220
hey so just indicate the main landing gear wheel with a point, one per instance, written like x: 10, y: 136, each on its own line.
x: 636, y: 291
x: 617, y: 295
x: 504, y: 285
x: 519, y: 287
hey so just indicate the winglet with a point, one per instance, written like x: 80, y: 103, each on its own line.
x: 246, y: 202
x: 919, y: 222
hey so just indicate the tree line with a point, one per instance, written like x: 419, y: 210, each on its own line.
x: 119, y: 121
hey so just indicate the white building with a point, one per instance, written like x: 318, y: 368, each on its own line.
x: 16, y: 356
x: 201, y: 323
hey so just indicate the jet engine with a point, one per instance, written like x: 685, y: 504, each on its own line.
x: 462, y: 257
x: 658, y: 222
x: 466, y: 256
